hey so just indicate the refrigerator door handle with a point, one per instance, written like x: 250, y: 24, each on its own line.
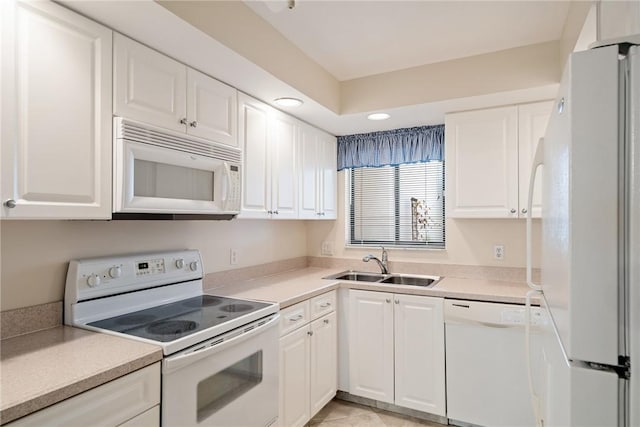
x: 535, y: 400
x: 538, y: 160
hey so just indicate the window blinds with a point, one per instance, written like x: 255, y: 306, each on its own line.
x: 399, y: 205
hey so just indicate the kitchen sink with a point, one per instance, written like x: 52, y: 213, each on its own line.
x: 358, y: 276
x: 401, y: 279
x: 391, y: 279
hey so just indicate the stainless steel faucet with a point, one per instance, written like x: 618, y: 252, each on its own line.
x: 382, y: 264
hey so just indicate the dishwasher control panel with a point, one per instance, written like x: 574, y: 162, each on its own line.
x: 489, y: 313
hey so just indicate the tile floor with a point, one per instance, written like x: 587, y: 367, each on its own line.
x: 339, y: 413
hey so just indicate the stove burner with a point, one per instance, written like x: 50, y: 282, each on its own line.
x: 135, y: 319
x: 236, y: 308
x: 171, y: 327
x: 202, y: 302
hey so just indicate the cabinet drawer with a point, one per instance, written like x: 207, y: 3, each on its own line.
x: 110, y: 404
x: 291, y: 318
x: 323, y: 304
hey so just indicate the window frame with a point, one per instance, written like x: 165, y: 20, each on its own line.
x: 397, y: 243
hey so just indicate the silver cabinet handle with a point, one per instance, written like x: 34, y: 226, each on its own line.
x: 397, y: 301
x: 524, y: 210
x: 270, y: 212
x: 388, y: 300
x: 513, y: 211
x: 183, y: 121
x: 326, y: 321
x: 325, y: 305
x: 310, y: 333
x: 296, y: 318
x: 193, y: 124
x: 10, y: 203
x: 275, y: 212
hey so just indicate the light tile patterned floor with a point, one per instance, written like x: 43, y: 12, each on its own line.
x: 339, y: 413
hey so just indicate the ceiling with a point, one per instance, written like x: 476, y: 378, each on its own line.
x: 353, y: 38
x: 465, y: 54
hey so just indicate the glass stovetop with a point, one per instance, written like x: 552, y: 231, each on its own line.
x: 178, y: 319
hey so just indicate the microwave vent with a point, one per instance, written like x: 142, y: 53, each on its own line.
x: 133, y: 131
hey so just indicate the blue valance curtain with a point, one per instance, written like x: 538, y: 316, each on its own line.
x: 393, y: 147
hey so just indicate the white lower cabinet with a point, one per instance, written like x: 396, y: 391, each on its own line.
x: 308, y: 361
x: 132, y: 400
x: 396, y: 349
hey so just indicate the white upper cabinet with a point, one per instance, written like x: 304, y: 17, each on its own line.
x: 482, y: 163
x: 253, y: 135
x: 211, y: 108
x: 532, y: 124
x: 268, y: 139
x: 153, y: 88
x: 284, y: 178
x: 318, y: 164
x: 149, y: 86
x: 56, y: 113
x: 488, y: 160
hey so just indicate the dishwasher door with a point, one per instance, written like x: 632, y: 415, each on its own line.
x: 486, y: 369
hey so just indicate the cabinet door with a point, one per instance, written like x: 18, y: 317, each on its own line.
x: 149, y: 86
x: 212, y: 109
x: 371, y: 345
x: 482, y: 163
x: 253, y: 134
x: 309, y: 177
x: 56, y: 113
x: 328, y: 175
x: 324, y: 361
x: 119, y: 401
x: 294, y: 378
x: 284, y: 167
x: 419, y: 353
x: 318, y: 174
x: 532, y: 124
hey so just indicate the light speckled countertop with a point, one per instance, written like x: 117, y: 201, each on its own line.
x: 46, y: 367
x: 298, y: 285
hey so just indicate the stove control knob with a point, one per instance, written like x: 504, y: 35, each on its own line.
x: 93, y: 280
x: 180, y: 264
x: 193, y: 266
x: 115, y: 272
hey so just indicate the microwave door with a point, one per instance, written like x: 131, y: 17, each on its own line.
x: 161, y: 180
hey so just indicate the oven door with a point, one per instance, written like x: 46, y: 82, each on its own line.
x: 228, y: 381
x: 152, y: 179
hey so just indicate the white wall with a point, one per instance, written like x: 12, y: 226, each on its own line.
x: 468, y: 241
x: 35, y: 254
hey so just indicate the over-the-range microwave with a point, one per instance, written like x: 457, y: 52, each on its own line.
x: 161, y: 174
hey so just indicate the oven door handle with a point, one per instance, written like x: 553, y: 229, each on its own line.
x: 179, y: 361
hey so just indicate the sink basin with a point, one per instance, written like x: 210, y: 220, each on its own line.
x: 391, y: 279
x: 360, y: 277
x: 409, y: 280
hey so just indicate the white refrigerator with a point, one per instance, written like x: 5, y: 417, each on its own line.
x: 584, y: 365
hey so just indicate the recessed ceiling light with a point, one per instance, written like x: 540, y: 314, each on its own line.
x: 378, y: 116
x: 288, y: 102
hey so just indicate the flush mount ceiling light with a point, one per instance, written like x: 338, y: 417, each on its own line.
x: 288, y: 102
x: 378, y: 116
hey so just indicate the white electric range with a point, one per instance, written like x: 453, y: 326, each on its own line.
x: 220, y: 354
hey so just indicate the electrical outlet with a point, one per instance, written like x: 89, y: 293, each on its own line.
x: 233, y: 256
x: 327, y: 248
x: 498, y: 252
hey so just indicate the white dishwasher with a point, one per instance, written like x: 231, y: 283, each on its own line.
x: 486, y: 369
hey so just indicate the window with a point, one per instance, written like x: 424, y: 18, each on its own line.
x: 397, y: 205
